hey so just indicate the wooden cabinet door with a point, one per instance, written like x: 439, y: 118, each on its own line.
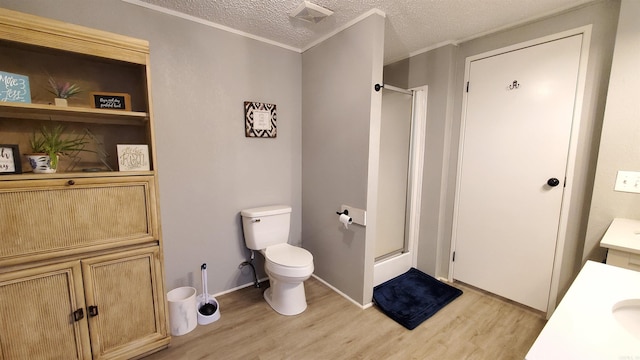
x: 125, y: 303
x: 37, y: 314
x: 60, y: 217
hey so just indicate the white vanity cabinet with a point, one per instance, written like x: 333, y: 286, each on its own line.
x: 622, y: 240
x: 595, y: 319
x: 624, y: 259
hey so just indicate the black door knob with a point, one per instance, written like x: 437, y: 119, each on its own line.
x: 553, y: 182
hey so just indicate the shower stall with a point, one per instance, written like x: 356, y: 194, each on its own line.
x: 402, y: 133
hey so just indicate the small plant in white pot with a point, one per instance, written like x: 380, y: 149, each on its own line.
x: 63, y: 91
x: 49, y: 145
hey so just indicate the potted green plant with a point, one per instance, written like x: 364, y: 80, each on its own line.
x: 63, y: 91
x: 49, y: 145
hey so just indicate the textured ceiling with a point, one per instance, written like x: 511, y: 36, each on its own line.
x: 411, y: 25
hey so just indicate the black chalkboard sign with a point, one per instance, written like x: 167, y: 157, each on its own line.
x: 111, y: 101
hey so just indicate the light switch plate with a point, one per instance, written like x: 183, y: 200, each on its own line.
x: 628, y: 181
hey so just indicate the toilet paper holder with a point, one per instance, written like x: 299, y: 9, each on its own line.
x: 359, y: 216
x: 344, y: 218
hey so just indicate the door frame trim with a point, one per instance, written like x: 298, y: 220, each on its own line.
x: 418, y: 146
x: 585, y: 31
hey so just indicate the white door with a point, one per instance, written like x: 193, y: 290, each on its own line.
x: 515, y: 144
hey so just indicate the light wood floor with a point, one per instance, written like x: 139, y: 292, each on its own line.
x: 474, y: 326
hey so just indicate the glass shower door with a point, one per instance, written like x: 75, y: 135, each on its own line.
x: 393, y: 176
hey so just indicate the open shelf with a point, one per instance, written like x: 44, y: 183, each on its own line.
x: 71, y: 114
x: 74, y: 175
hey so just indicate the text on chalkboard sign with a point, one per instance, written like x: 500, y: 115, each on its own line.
x: 112, y: 101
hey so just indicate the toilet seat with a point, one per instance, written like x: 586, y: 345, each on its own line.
x: 288, y: 260
x: 288, y: 255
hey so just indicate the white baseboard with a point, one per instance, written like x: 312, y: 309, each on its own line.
x: 239, y: 287
x: 363, y: 307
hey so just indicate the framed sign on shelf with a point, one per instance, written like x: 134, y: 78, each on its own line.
x: 133, y: 157
x: 10, y: 159
x: 14, y: 88
x: 111, y: 100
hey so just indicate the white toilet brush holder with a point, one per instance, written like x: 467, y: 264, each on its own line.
x: 207, y: 319
x: 207, y: 306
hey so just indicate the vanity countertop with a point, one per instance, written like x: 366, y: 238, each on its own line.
x: 623, y: 235
x: 583, y: 326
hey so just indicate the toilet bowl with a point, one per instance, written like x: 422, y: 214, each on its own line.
x: 287, y: 267
x: 267, y: 229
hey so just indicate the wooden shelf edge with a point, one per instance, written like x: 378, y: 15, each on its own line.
x: 74, y: 175
x: 73, y: 114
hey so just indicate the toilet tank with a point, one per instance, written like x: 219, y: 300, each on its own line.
x: 266, y: 226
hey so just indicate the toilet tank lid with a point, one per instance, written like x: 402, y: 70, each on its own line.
x: 266, y: 211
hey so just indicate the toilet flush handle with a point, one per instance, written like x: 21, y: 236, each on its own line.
x: 255, y: 220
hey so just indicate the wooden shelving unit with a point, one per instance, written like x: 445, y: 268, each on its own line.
x: 84, y: 245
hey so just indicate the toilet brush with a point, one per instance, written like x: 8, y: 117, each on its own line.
x: 207, y: 308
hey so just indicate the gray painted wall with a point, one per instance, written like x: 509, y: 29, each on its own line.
x: 208, y: 170
x: 338, y: 77
x: 603, y: 15
x: 619, y: 143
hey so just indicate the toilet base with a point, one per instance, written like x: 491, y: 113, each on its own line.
x: 286, y: 298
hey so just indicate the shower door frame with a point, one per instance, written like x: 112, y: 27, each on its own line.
x: 392, y: 266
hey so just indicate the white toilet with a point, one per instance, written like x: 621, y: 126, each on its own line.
x: 267, y: 229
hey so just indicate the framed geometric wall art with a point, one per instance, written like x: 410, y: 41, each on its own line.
x: 259, y: 120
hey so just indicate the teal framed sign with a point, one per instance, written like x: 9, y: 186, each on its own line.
x: 14, y: 88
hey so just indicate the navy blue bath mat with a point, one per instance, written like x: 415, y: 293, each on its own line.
x: 413, y: 297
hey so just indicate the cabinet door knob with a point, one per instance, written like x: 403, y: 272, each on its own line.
x: 92, y: 310
x: 71, y: 182
x: 78, y: 315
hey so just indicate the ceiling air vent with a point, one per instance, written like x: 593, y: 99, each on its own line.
x: 310, y: 12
